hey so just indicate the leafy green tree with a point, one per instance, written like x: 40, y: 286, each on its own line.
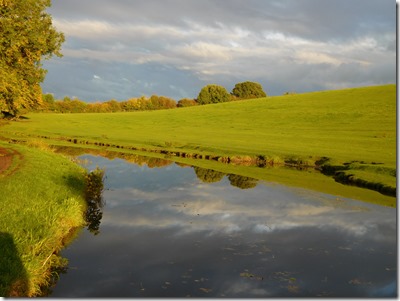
x: 248, y: 90
x: 48, y: 98
x: 213, y: 94
x: 27, y: 36
x: 48, y: 102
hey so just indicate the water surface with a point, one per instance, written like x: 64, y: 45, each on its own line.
x: 177, y: 231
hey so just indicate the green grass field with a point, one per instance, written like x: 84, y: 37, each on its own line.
x: 357, y: 124
x: 345, y: 125
x: 41, y: 201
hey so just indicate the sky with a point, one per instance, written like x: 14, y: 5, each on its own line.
x: 122, y: 49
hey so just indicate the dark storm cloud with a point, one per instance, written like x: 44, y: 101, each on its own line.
x: 179, y: 46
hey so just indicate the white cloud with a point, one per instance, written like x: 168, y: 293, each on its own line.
x: 311, y: 57
x: 86, y: 29
x: 203, y: 51
x: 215, y: 209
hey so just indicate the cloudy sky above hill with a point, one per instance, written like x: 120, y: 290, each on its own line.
x: 127, y: 48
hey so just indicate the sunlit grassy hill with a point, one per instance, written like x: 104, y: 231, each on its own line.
x: 345, y: 125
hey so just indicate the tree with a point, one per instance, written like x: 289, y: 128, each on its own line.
x: 48, y: 102
x: 68, y: 105
x: 186, y: 102
x: 213, y: 94
x: 248, y: 90
x: 112, y: 106
x: 27, y: 36
x: 161, y: 102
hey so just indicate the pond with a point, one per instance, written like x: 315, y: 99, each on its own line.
x: 171, y: 230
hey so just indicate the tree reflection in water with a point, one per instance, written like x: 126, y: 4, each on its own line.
x: 208, y: 175
x: 242, y: 182
x: 203, y: 174
x: 94, y: 199
x: 95, y: 179
x: 95, y: 187
x: 211, y: 176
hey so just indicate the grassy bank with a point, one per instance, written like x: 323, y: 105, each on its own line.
x: 42, y: 201
x: 353, y: 130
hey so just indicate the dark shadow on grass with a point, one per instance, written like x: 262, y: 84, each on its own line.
x: 74, y: 182
x: 22, y: 118
x: 13, y: 277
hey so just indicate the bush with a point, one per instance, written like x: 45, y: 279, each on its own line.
x: 248, y: 90
x: 213, y: 94
x: 185, y: 102
x: 160, y: 102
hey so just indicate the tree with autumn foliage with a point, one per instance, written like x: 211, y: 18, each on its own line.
x: 27, y: 36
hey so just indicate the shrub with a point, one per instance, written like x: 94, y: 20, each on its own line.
x: 160, y: 102
x: 213, y: 94
x: 248, y: 90
x: 186, y: 102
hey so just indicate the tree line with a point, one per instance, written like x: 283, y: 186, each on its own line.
x: 68, y: 105
x: 208, y: 95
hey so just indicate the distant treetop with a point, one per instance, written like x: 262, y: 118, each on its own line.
x: 248, y: 90
x: 213, y: 94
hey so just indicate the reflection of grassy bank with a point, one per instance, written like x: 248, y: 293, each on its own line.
x: 344, y: 126
x: 41, y: 202
x: 361, y: 174
x: 307, y: 178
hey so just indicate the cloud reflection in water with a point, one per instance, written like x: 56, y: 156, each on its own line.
x: 165, y: 233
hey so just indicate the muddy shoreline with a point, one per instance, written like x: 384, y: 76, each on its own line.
x: 6, y: 159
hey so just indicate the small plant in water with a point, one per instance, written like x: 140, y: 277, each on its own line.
x: 94, y: 199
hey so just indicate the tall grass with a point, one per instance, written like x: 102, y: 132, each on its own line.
x: 40, y: 204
